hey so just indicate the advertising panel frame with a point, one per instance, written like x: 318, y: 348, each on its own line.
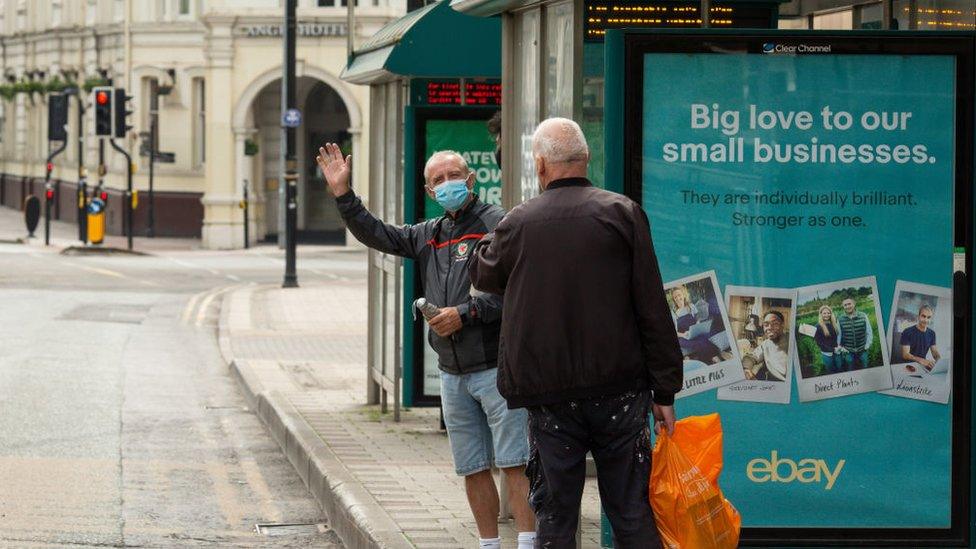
x: 624, y: 125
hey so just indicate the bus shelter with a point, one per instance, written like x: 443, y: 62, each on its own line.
x: 434, y: 78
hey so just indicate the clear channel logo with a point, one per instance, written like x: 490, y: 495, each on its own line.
x: 793, y: 49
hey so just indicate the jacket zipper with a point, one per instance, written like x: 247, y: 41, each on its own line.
x: 447, y: 281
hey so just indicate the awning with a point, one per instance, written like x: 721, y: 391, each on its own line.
x: 432, y: 42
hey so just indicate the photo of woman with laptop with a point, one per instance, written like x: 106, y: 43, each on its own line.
x: 701, y: 322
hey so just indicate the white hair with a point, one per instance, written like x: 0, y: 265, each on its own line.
x: 560, y: 140
x: 444, y: 154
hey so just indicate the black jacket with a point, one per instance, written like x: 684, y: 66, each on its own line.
x: 442, y: 247
x: 585, y: 313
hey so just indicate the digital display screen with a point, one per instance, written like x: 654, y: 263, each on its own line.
x: 602, y: 15
x: 475, y: 93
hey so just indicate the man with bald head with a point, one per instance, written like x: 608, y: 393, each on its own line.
x: 483, y: 431
x: 587, y: 342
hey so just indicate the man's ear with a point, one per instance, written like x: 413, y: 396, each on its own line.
x: 429, y: 192
x: 471, y: 180
x: 540, y: 165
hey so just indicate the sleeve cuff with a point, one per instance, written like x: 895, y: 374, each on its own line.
x: 663, y: 399
x: 348, y: 198
x: 465, y: 311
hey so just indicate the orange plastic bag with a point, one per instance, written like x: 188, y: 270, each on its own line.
x: 690, y: 510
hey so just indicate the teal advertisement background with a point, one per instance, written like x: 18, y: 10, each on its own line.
x: 896, y: 450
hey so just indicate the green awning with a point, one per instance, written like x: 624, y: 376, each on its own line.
x: 432, y: 42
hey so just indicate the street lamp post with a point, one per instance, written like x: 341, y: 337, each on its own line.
x: 291, y: 168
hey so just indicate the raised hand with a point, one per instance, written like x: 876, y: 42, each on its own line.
x: 335, y: 168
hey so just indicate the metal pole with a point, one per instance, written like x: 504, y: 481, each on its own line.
x: 151, y: 230
x: 291, y: 168
x: 82, y: 172
x: 246, y: 207
x: 48, y: 190
x: 128, y: 192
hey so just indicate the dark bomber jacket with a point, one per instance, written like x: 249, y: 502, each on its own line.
x: 585, y: 313
x: 442, y: 247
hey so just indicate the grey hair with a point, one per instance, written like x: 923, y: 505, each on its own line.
x: 560, y: 140
x: 441, y: 154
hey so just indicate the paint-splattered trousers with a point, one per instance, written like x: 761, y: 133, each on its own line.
x: 616, y: 431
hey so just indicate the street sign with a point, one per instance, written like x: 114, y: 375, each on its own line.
x: 292, y: 118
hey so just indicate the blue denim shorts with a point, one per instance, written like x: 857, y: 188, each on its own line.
x: 482, y: 430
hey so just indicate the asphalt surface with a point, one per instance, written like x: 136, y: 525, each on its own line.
x: 120, y: 425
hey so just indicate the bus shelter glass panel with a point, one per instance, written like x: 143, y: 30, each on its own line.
x: 807, y: 203
x: 465, y: 131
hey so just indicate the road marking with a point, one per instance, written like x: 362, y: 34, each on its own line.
x: 194, y: 266
x: 205, y: 305
x: 234, y: 278
x: 190, y: 306
x: 107, y: 272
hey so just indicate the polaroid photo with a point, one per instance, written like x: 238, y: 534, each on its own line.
x: 761, y: 322
x: 920, y: 342
x: 841, y: 348
x: 700, y: 320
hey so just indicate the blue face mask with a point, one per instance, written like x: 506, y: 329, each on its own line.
x: 451, y: 195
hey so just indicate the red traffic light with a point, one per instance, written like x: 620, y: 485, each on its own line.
x: 50, y: 167
x: 101, y: 98
x: 49, y: 194
x: 103, y: 196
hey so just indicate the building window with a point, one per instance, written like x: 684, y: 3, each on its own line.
x: 55, y: 13
x: 834, y: 20
x: 184, y: 7
x: 21, y: 15
x: 199, y: 121
x: 91, y: 13
x: 3, y: 18
x: 325, y: 3
x: 118, y: 11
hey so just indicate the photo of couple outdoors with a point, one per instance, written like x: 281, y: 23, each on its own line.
x: 837, y: 331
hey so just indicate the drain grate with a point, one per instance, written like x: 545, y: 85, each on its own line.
x: 291, y: 529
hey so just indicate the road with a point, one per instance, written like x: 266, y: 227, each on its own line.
x: 120, y: 425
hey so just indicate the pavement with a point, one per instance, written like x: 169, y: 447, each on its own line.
x: 65, y: 235
x: 300, y: 357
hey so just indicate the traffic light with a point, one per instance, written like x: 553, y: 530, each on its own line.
x: 121, y: 100
x: 102, y: 99
x: 49, y: 194
x: 57, y: 117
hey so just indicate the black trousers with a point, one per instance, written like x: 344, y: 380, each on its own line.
x: 615, y: 430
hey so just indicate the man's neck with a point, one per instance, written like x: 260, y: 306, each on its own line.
x: 456, y: 214
x: 570, y: 173
x: 921, y: 327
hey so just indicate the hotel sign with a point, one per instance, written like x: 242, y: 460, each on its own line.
x: 311, y: 30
